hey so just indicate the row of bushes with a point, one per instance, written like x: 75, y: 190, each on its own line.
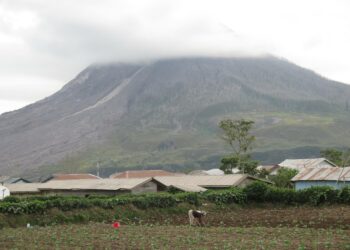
x: 256, y: 192
x: 37, y: 204
x: 260, y: 192
x: 32, y: 205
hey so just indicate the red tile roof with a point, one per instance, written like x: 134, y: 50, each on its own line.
x: 62, y: 177
x: 143, y: 174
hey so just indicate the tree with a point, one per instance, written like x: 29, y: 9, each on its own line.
x: 333, y: 155
x: 262, y: 173
x: 237, y: 134
x: 284, y: 177
x: 340, y: 158
x: 228, y: 163
x: 247, y: 165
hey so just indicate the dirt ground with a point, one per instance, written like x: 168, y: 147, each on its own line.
x: 104, y: 236
x: 269, y: 216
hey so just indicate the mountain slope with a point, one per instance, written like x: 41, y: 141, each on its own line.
x: 165, y: 113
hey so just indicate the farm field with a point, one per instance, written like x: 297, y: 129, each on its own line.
x: 104, y: 236
x: 267, y: 215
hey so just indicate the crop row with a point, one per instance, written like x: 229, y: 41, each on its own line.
x: 103, y: 236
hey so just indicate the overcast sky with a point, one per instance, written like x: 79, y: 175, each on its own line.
x: 44, y: 44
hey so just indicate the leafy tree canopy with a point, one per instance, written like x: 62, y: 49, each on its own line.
x: 340, y: 158
x: 237, y: 134
x: 284, y: 177
x: 246, y: 164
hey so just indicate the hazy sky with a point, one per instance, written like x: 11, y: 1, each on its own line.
x: 45, y: 43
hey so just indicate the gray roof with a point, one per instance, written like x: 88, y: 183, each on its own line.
x: 186, y: 183
x: 86, y: 184
x: 24, y: 187
x: 300, y: 164
x: 323, y: 174
x: 188, y: 188
x: 204, y: 180
x: 101, y: 184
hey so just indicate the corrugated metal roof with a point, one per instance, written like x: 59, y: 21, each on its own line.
x: 24, y: 187
x: 143, y: 174
x: 323, y: 174
x: 203, y: 181
x: 189, y: 188
x: 100, y: 184
x: 300, y: 164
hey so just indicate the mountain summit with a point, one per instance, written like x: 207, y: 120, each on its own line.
x: 165, y: 113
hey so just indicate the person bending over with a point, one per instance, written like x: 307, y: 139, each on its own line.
x: 196, y: 217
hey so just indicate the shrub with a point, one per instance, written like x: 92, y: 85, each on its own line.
x: 11, y: 199
x: 233, y: 195
x: 35, y: 207
x: 317, y: 195
x: 284, y: 177
x: 160, y: 201
x: 12, y: 208
x: 280, y: 195
x: 173, y: 190
x: 191, y: 198
x: 256, y: 191
x: 344, y: 195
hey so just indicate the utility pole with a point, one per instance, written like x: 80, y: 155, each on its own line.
x: 98, y: 169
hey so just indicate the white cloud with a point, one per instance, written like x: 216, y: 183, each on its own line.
x: 9, y: 105
x: 46, y: 43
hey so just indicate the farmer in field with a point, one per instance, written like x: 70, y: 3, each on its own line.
x: 196, y: 217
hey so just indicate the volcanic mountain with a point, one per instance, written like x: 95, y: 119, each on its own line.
x: 164, y: 114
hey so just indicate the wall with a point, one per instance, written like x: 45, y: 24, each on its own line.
x: 149, y: 187
x: 306, y: 184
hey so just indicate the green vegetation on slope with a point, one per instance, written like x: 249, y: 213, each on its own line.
x: 278, y: 136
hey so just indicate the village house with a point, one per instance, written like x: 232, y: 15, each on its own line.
x: 88, y: 187
x: 300, y: 164
x: 193, y: 183
x: 84, y: 187
x: 24, y: 188
x: 334, y: 177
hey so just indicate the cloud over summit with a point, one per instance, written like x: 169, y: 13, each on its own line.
x: 43, y: 44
